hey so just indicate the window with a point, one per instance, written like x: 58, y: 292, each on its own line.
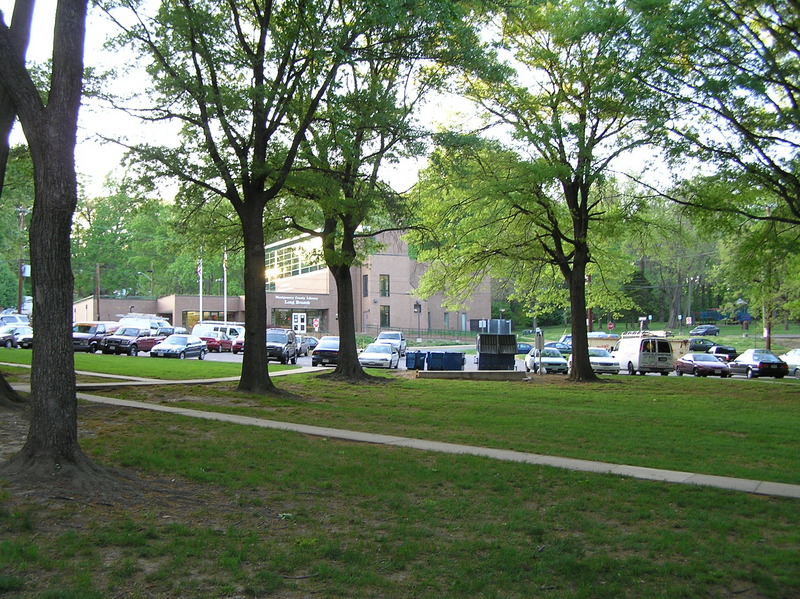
x: 447, y: 320
x: 385, y: 317
x: 365, y: 285
x: 384, y: 282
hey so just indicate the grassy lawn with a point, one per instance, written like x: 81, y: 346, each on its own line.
x: 261, y: 513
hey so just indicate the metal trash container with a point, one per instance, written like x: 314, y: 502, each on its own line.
x: 453, y: 361
x: 435, y: 360
x: 496, y: 352
x: 415, y: 360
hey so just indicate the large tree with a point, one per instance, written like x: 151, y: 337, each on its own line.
x: 49, y: 122
x: 574, y: 107
x: 245, y: 80
x: 367, y: 123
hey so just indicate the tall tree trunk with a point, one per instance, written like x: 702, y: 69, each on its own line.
x: 576, y: 279
x: 52, y: 449
x: 348, y: 366
x: 255, y: 374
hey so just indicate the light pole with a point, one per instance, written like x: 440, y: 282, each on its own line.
x: 149, y: 278
x: 418, y: 310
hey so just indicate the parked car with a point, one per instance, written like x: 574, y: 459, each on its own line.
x: 523, y: 348
x: 326, y: 352
x: 551, y: 359
x: 700, y: 344
x: 312, y: 342
x: 7, y: 338
x: 238, y: 344
x: 12, y: 318
x: 643, y: 354
x: 705, y: 329
x: 701, y: 364
x: 396, y: 338
x: 759, y: 362
x: 130, y: 340
x: 86, y: 336
x: 601, y: 360
x: 282, y: 345
x: 792, y: 358
x: 24, y: 337
x: 232, y: 330
x: 726, y: 353
x: 217, y: 341
x: 562, y: 348
x: 302, y: 345
x: 379, y: 355
x: 180, y: 346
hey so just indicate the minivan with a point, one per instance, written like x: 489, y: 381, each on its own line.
x: 644, y: 354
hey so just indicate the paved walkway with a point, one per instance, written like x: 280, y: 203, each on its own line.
x: 672, y: 476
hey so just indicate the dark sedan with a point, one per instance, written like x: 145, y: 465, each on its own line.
x: 700, y: 344
x: 217, y: 341
x: 180, y: 346
x: 705, y: 329
x: 326, y: 352
x: 759, y: 362
x: 701, y: 365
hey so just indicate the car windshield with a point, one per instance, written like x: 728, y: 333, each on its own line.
x: 395, y: 336
x: 330, y: 343
x: 84, y: 328
x: 766, y: 357
x: 176, y: 340
x: 599, y: 353
x: 129, y: 332
x: 7, y: 329
x: 551, y: 353
x: 378, y: 348
x: 277, y: 336
x: 705, y: 358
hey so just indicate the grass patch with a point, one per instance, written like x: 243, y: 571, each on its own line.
x: 248, y: 512
x: 143, y: 365
x: 268, y: 512
x: 742, y: 428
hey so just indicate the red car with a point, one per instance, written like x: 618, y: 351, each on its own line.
x: 701, y: 365
x: 217, y: 341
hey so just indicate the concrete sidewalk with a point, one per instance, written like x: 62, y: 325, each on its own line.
x: 758, y: 487
x: 672, y: 476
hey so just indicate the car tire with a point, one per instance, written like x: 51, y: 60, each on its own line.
x: 751, y: 374
x: 92, y: 348
x: 679, y: 372
x: 202, y: 355
x: 7, y: 344
x: 133, y: 351
x: 182, y: 355
x: 631, y: 369
x: 695, y: 372
x: 294, y: 360
x: 797, y: 373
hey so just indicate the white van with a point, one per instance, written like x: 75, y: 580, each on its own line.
x: 644, y: 354
x: 144, y: 321
x: 232, y: 330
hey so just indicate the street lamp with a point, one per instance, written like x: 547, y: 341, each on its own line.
x: 418, y: 310
x: 149, y: 278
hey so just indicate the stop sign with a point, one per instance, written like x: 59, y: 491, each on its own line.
x: 610, y: 326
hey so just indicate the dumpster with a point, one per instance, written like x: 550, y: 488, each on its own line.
x: 496, y: 352
x: 415, y: 360
x: 453, y: 360
x: 435, y: 360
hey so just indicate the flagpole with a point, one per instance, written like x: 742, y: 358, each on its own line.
x: 225, y: 285
x: 200, y: 276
